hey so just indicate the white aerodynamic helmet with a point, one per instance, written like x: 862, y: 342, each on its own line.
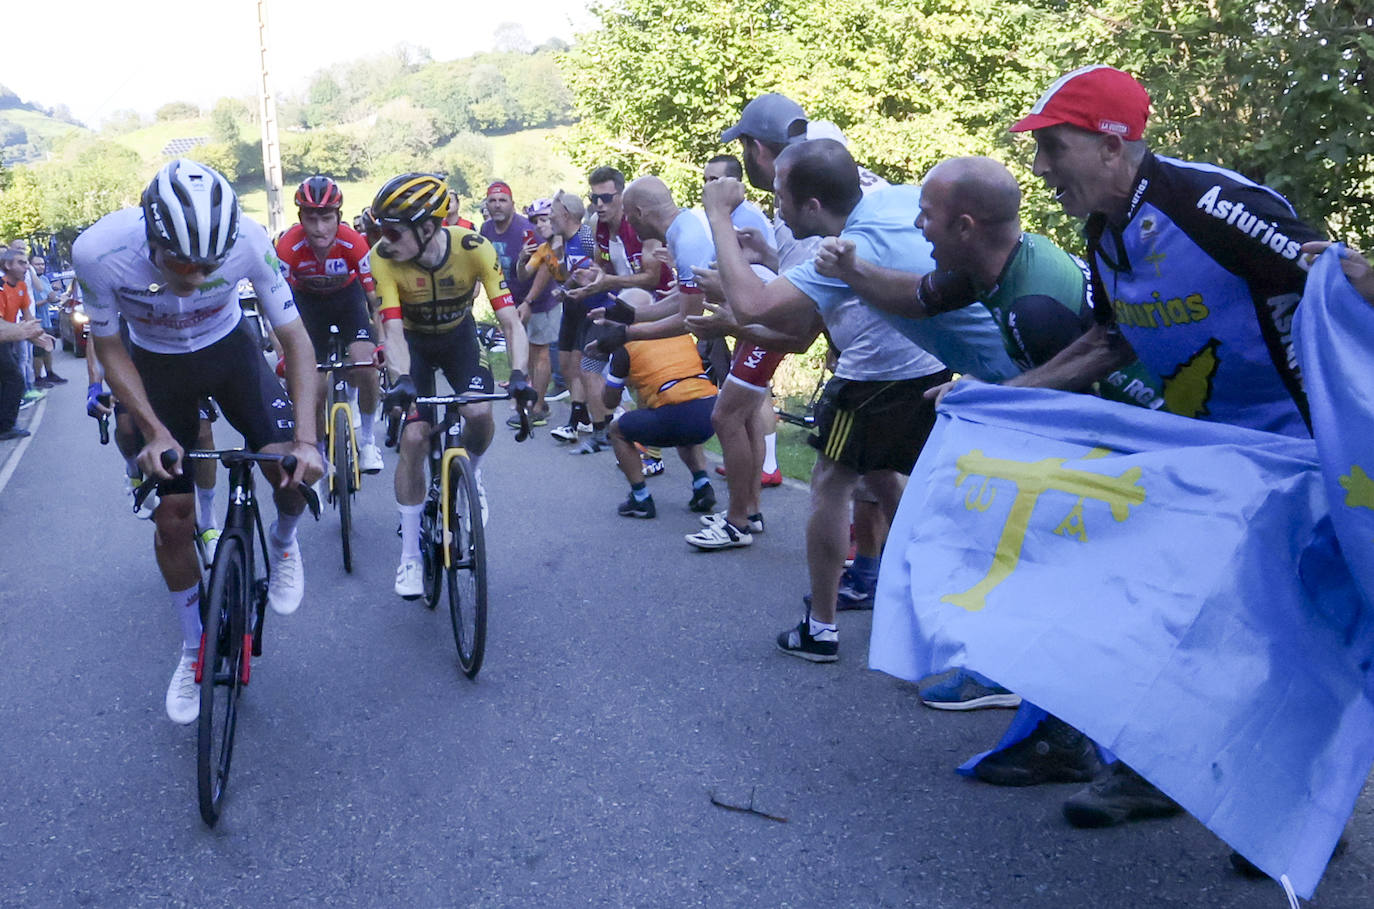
x: 191, y: 212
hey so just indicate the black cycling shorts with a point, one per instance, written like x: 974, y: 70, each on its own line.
x: 346, y: 308
x: 233, y: 372
x: 457, y: 354
x: 573, y: 326
x: 868, y: 426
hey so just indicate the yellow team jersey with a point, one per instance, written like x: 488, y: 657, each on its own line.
x: 667, y: 371
x: 433, y: 301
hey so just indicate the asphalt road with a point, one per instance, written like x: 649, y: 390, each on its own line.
x: 628, y: 679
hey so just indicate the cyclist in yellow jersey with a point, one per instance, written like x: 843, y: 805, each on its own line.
x: 427, y: 277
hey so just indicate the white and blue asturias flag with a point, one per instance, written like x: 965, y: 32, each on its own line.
x: 1171, y: 587
x: 1333, y: 331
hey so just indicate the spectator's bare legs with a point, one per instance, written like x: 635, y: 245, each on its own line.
x: 594, y: 385
x: 693, y: 457
x: 735, y: 420
x: 540, y: 368
x: 827, y: 533
x: 626, y: 455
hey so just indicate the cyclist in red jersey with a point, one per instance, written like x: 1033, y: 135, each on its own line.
x: 326, y: 263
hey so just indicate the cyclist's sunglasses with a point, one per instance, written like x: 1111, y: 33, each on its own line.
x: 606, y: 198
x: 184, y: 267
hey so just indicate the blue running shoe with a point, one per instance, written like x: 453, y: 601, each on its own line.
x: 967, y: 690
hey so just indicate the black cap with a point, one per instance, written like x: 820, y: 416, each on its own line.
x: 769, y: 118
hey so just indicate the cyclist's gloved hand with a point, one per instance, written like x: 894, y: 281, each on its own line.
x: 620, y: 311
x: 520, y: 390
x: 93, y: 406
x: 402, y: 393
x: 945, y: 291
x: 613, y: 337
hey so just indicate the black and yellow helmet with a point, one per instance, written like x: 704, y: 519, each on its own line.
x: 411, y: 199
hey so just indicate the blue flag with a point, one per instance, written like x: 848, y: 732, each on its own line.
x: 1333, y: 331
x: 1169, y: 586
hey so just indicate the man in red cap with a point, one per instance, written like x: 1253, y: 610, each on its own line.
x: 1197, y: 271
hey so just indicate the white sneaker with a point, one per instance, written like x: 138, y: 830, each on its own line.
x: 566, y: 433
x: 183, y: 695
x: 585, y: 427
x: 370, y: 459
x: 209, y: 541
x: 287, y: 585
x: 719, y: 518
x: 145, y: 511
x: 481, y: 496
x: 409, y: 580
x: 720, y: 536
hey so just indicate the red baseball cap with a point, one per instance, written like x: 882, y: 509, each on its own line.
x: 1097, y: 98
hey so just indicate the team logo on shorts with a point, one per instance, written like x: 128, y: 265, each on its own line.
x: 279, y: 404
x: 475, y: 383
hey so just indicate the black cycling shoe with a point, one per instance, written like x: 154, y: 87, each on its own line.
x: 632, y: 508
x: 703, y: 499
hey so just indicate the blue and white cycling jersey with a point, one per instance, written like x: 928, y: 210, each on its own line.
x: 1202, y: 274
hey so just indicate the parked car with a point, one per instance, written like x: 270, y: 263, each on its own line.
x: 73, y: 326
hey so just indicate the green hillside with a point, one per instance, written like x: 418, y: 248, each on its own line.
x: 26, y: 135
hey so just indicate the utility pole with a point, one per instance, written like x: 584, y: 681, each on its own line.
x: 271, y: 147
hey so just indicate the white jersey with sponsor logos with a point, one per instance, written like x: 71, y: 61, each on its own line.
x: 119, y: 279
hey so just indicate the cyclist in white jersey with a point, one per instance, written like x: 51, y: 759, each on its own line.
x: 170, y: 267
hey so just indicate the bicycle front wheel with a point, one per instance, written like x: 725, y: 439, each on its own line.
x: 467, y: 567
x: 342, y: 456
x: 221, y: 673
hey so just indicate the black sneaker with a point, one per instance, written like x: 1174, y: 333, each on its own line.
x: 632, y: 508
x: 1121, y: 795
x: 798, y: 642
x: 703, y: 499
x: 1054, y: 752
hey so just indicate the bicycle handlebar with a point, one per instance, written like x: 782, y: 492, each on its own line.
x: 230, y: 457
x: 329, y: 367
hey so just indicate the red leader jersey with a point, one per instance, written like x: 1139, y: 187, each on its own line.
x: 346, y: 261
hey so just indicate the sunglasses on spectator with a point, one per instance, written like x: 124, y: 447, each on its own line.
x: 606, y: 198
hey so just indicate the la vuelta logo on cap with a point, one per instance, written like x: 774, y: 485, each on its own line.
x: 1111, y: 126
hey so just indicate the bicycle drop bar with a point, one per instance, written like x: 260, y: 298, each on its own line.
x: 472, y: 398
x: 326, y: 367
x: 230, y: 457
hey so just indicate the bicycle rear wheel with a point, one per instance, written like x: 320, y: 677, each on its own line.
x: 221, y: 674
x: 342, y: 456
x: 467, y: 568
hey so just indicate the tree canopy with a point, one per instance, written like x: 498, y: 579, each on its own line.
x: 1279, y: 90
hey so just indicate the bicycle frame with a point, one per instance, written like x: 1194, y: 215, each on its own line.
x: 337, y: 400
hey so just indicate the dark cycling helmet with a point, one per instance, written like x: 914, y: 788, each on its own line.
x: 411, y: 199
x: 369, y: 221
x: 191, y: 212
x: 319, y: 191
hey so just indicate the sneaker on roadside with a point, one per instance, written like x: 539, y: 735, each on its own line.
x: 540, y: 417
x: 755, y: 521
x: 963, y: 691
x: 585, y: 427
x: 720, y: 536
x: 590, y: 445
x: 183, y: 694
x: 34, y: 395
x: 854, y: 592
x: 703, y: 499
x: 633, y: 508
x: 1121, y: 795
x: 409, y: 579
x: 1054, y: 752
x: 565, y: 433
x: 798, y: 642
x: 771, y: 478
x: 286, y: 587
x: 13, y: 433
x: 209, y: 542
x: 370, y: 459
x: 559, y: 393
x: 55, y: 379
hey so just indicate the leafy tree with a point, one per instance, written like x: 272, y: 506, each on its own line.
x: 1280, y: 90
x: 177, y: 110
x: 467, y: 162
x: 122, y: 121
x: 92, y: 178
x: 21, y: 206
x: 224, y: 128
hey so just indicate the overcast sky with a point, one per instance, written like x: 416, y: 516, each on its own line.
x: 98, y: 58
